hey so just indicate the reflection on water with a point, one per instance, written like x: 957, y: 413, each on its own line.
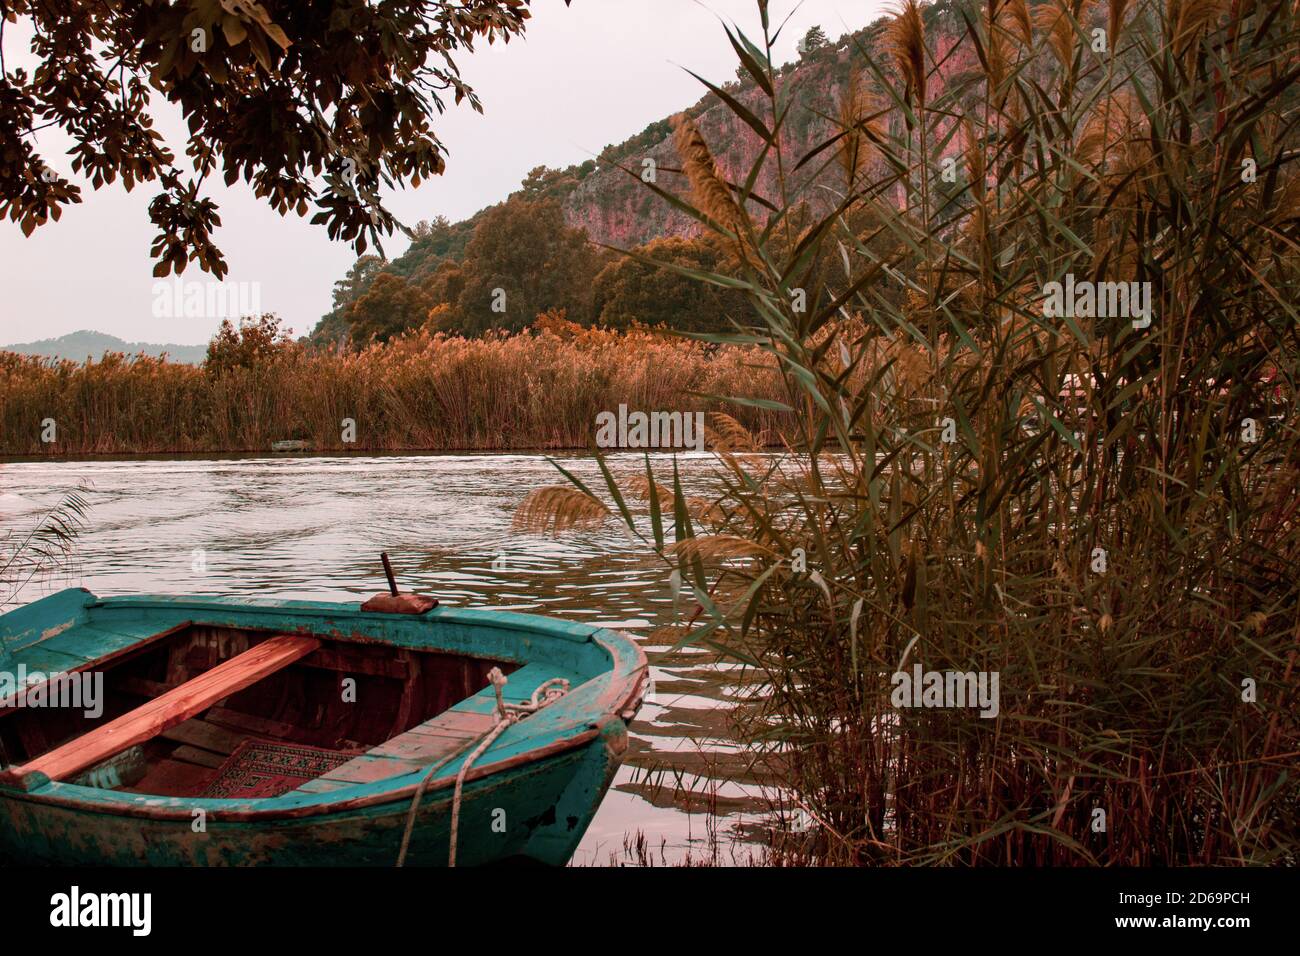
x: 313, y: 528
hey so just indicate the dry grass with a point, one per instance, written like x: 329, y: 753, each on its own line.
x: 538, y: 389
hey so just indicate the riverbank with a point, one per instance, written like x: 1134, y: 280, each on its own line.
x: 541, y: 389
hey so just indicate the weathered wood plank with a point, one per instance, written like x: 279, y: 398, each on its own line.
x: 197, y: 755
x: 173, y: 778
x: 321, y: 785
x: 368, y: 769
x: 206, y: 736
x: 461, y: 722
x: 108, y: 646
x: 360, y: 661
x: 422, y: 748
x: 519, y: 688
x: 260, y: 726
x: 43, y: 619
x: 417, y: 748
x: 174, y: 707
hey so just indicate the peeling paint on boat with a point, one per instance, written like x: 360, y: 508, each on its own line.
x: 56, y: 630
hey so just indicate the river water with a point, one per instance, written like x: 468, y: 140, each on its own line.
x: 313, y: 527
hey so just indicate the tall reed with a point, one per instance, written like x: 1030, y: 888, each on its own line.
x: 538, y: 389
x: 1100, y: 509
x: 46, y: 547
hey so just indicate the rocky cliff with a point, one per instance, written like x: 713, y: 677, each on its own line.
x: 617, y: 210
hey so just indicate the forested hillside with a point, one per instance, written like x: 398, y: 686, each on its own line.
x: 545, y: 245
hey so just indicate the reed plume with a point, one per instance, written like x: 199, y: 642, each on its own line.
x: 726, y: 433
x: 709, y: 187
x: 557, y: 508
x: 1186, y: 19
x: 1022, y: 21
x: 996, y: 64
x: 719, y: 547
x: 638, y: 486
x: 1057, y: 19
x: 705, y: 510
x: 905, y: 42
x: 852, y: 109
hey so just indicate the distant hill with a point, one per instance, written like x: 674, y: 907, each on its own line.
x: 78, y: 346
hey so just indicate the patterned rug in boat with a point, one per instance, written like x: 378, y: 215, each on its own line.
x: 260, y: 768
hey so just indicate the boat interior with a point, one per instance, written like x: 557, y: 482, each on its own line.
x: 229, y: 712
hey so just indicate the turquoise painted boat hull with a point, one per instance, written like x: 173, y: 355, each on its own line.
x: 548, y: 808
x: 529, y: 796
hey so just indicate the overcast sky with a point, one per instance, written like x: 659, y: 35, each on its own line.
x: 583, y: 77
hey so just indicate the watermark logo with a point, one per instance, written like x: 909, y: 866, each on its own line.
x: 1098, y: 300
x: 74, y: 909
x: 178, y: 299
x: 946, y: 689
x: 82, y: 690
x: 650, y: 429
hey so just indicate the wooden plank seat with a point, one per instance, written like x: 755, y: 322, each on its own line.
x: 417, y: 748
x: 455, y: 729
x: 166, y: 711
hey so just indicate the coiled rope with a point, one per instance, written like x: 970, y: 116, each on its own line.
x: 507, y: 715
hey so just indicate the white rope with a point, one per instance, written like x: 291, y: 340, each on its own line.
x: 507, y: 715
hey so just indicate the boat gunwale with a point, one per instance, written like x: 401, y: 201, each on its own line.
x: 13, y: 701
x: 627, y: 674
x: 504, y: 620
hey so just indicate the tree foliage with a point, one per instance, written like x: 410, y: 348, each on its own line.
x: 813, y: 40
x: 523, y: 260
x: 253, y: 342
x: 636, y: 289
x: 334, y: 326
x: 392, y: 306
x: 277, y: 94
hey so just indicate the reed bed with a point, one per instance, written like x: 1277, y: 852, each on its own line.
x: 538, y: 389
x: 1100, y: 509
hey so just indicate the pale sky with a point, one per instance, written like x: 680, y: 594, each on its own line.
x: 582, y: 77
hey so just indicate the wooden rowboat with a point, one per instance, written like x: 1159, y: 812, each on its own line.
x: 241, y: 732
